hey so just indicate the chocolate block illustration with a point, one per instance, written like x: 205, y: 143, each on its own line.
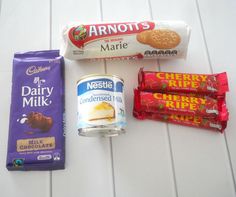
x: 38, y: 120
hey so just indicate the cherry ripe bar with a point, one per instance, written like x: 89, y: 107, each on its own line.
x: 207, y: 84
x: 193, y: 121
x: 180, y: 104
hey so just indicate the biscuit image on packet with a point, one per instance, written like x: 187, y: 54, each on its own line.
x: 143, y: 36
x: 160, y: 39
x: 126, y: 40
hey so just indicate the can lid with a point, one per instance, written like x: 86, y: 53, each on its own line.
x: 99, y: 75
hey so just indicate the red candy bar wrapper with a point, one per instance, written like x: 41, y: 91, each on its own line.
x: 180, y: 104
x: 193, y: 121
x: 212, y: 84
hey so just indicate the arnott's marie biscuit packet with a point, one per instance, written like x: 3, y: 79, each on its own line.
x: 36, y: 131
x: 126, y: 40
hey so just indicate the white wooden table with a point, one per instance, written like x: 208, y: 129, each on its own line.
x: 153, y: 158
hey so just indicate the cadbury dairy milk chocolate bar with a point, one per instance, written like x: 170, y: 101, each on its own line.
x: 36, y: 131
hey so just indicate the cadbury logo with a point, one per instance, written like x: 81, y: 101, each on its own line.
x: 36, y: 69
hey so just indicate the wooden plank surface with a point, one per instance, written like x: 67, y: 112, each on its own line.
x: 220, y: 31
x: 24, y: 25
x: 152, y: 158
x: 88, y: 162
x: 142, y: 164
x: 200, y: 156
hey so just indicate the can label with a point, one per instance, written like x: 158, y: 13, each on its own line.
x: 101, y: 102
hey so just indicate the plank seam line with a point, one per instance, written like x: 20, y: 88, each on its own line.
x: 204, y: 36
x: 50, y: 47
x: 211, y: 68
x: 167, y: 125
x: 101, y: 16
x: 0, y: 7
x: 230, y: 162
x: 172, y: 160
x: 50, y: 183
x: 112, y: 168
x: 50, y: 24
x: 110, y: 139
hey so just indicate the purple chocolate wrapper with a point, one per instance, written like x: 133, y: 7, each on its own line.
x: 36, y: 132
